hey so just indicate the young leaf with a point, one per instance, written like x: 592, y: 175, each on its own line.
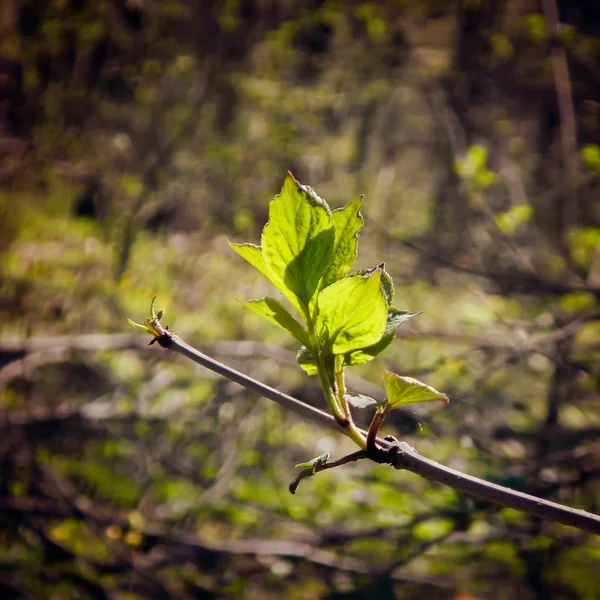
x: 360, y: 400
x: 348, y: 222
x: 139, y: 326
x: 406, y: 390
x: 275, y: 312
x: 314, y: 463
x: 387, y: 284
x: 307, y: 361
x: 254, y: 255
x: 395, y: 318
x: 386, y: 280
x: 352, y: 313
x: 298, y: 240
x: 308, y: 470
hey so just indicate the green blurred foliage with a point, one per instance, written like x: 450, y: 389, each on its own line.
x: 135, y: 137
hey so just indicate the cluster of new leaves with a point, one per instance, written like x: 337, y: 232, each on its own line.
x: 307, y: 251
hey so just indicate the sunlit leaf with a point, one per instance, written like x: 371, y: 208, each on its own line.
x: 406, y: 390
x: 315, y: 462
x: 395, y: 318
x: 307, y: 361
x: 298, y: 240
x: 276, y: 313
x: 590, y: 154
x: 515, y: 216
x: 139, y: 326
x: 309, y: 468
x: 387, y: 284
x: 352, y: 313
x: 254, y: 255
x: 348, y: 222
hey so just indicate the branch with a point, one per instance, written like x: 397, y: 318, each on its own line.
x: 399, y: 454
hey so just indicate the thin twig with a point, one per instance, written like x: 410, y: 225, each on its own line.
x: 399, y: 454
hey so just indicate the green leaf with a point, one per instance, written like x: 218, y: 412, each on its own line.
x: 387, y: 284
x: 308, y: 470
x: 347, y: 222
x: 276, y: 313
x: 514, y: 217
x: 537, y: 27
x: 386, y: 280
x: 139, y: 326
x: 395, y: 318
x: 590, y: 154
x: 432, y: 529
x: 352, y: 313
x: 254, y: 255
x: 314, y: 463
x: 360, y: 400
x: 406, y: 390
x: 307, y: 361
x: 486, y: 178
x: 298, y: 240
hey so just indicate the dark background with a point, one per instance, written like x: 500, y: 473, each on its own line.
x: 135, y: 136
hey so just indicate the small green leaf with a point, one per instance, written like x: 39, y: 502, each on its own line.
x: 486, y: 178
x: 537, y: 27
x: 590, y: 154
x: 387, y: 284
x: 477, y: 155
x: 514, y: 217
x: 139, y: 326
x: 276, y: 313
x: 308, y: 470
x: 406, y: 390
x: 395, y: 318
x: 352, y: 313
x: 314, y: 463
x: 347, y: 222
x: 431, y: 529
x: 298, y: 240
x: 307, y: 361
x: 360, y: 400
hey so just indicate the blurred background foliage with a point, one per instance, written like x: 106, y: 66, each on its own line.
x: 135, y: 135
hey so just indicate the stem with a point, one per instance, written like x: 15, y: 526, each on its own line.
x: 403, y: 456
x: 343, y: 420
x: 340, y: 386
x: 334, y: 406
x: 374, y: 428
x: 330, y: 396
x: 340, y: 389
